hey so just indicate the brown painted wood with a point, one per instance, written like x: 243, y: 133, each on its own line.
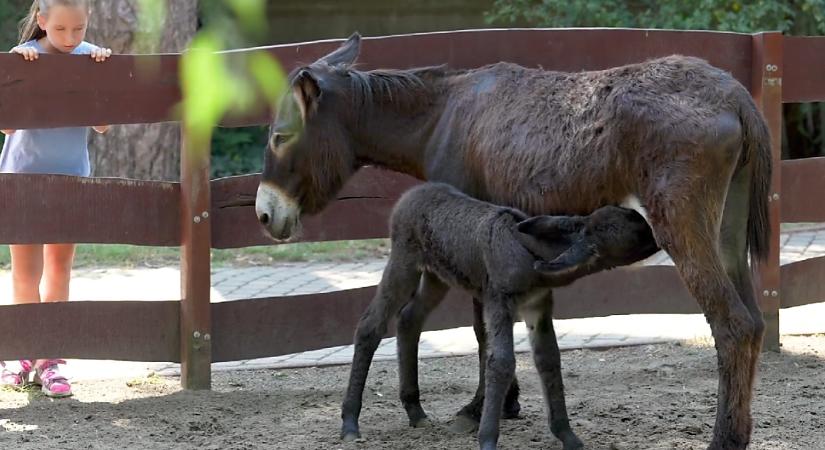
x: 124, y: 330
x: 768, y: 67
x: 282, y: 325
x: 118, y: 91
x: 803, y: 282
x: 59, y: 208
x: 361, y: 211
x: 803, y: 180
x: 124, y: 89
x: 804, y: 66
x: 625, y: 290
x: 195, y: 285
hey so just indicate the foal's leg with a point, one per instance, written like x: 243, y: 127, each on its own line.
x: 431, y: 292
x: 397, y: 286
x: 685, y: 218
x: 468, y: 417
x: 501, y: 366
x: 538, y: 315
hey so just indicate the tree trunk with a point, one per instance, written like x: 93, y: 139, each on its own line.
x: 142, y: 151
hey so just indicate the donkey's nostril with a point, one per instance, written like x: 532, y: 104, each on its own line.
x: 264, y: 218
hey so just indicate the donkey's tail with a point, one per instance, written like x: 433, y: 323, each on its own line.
x: 757, y: 153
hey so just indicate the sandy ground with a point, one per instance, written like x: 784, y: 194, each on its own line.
x: 655, y: 396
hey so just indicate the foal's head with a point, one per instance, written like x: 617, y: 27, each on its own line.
x: 609, y: 237
x: 310, y: 152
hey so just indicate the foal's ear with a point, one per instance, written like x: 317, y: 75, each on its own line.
x: 575, y: 262
x: 307, y: 92
x: 346, y: 54
x: 550, y: 227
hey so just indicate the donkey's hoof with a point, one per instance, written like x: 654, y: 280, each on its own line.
x: 463, y: 425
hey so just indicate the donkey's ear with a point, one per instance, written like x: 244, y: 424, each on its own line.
x: 307, y: 92
x: 346, y: 54
x: 551, y: 227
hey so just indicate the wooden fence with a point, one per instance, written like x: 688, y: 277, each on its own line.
x: 198, y: 214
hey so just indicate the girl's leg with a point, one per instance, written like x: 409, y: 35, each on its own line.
x: 26, y: 272
x: 57, y: 271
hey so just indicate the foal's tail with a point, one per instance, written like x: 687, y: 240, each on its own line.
x: 756, y: 141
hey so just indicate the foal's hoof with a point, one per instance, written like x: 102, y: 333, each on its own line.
x: 511, y: 411
x: 418, y: 418
x: 350, y: 436
x: 421, y: 422
x: 572, y: 443
x: 463, y: 425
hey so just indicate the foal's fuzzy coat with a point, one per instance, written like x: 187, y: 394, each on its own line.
x: 497, y: 254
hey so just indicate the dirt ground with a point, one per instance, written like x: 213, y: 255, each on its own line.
x: 656, y: 396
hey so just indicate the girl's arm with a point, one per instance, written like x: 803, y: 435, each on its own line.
x: 7, y: 132
x: 29, y: 53
x: 100, y: 54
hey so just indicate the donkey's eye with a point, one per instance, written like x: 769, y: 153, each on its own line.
x: 279, y: 139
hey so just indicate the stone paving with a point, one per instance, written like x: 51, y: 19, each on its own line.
x: 304, y: 278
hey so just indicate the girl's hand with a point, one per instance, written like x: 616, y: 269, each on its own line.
x: 101, y: 128
x: 99, y: 54
x: 7, y: 132
x: 29, y: 54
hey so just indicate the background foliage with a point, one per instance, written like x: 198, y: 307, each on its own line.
x: 804, y: 133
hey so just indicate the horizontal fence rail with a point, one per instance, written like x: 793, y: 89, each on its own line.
x: 59, y: 208
x: 361, y: 210
x: 801, y: 179
x: 142, y: 89
x: 134, y: 331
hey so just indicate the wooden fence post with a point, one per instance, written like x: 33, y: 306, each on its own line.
x: 766, y: 88
x: 195, y: 318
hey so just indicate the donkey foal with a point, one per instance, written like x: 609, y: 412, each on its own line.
x: 440, y: 238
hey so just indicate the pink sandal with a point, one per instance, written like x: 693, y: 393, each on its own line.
x: 9, y: 377
x: 52, y: 384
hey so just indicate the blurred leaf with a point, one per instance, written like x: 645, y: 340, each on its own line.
x: 204, y: 82
x: 268, y: 74
x: 251, y: 14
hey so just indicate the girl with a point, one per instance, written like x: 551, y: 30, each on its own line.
x: 52, y: 26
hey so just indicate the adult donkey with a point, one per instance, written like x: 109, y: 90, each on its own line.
x: 679, y: 140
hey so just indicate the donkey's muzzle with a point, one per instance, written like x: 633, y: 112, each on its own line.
x: 277, y: 213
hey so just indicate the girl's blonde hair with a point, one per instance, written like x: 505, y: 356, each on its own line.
x: 29, y: 29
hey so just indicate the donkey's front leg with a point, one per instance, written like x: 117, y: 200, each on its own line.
x: 430, y: 293
x: 397, y: 286
x: 468, y: 417
x: 501, y: 366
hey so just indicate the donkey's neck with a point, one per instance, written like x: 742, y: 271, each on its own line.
x: 397, y: 140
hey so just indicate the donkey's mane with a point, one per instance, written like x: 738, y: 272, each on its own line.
x: 404, y: 89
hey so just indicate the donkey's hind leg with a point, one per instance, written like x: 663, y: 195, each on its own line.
x: 468, y: 417
x: 685, y: 218
x: 398, y: 284
x: 538, y: 315
x: 734, y: 248
x: 431, y: 292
